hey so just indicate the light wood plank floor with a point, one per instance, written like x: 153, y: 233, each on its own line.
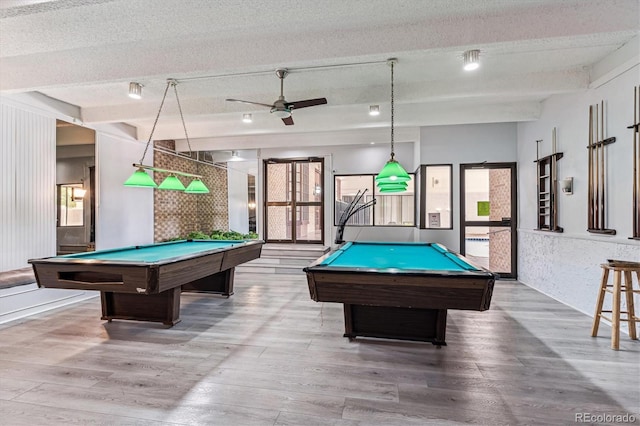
x: 271, y: 356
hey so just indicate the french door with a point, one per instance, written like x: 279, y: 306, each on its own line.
x: 294, y: 206
x: 488, y: 218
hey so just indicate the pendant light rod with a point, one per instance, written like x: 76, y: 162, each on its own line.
x: 153, y: 128
x: 174, y: 83
x: 170, y: 82
x: 157, y: 169
x: 294, y: 69
x: 392, y: 62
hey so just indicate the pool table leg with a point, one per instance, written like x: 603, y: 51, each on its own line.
x: 426, y: 325
x: 441, y: 328
x: 220, y: 283
x: 161, y: 307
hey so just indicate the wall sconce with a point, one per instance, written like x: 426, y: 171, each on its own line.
x: 247, y: 118
x: 78, y: 193
x: 374, y: 110
x: 566, y: 185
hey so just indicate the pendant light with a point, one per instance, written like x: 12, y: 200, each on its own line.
x: 392, y: 172
x: 172, y: 183
x: 140, y: 178
x: 196, y: 187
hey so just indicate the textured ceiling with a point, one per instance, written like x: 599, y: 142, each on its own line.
x: 85, y: 53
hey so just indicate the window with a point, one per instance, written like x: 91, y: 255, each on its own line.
x: 435, y: 196
x: 71, y: 204
x: 391, y: 209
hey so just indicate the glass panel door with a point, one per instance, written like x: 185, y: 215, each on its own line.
x: 308, y: 201
x: 488, y: 223
x: 294, y: 191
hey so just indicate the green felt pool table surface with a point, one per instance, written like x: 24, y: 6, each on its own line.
x: 401, y: 256
x: 154, y: 253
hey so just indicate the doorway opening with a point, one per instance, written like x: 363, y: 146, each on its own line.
x: 75, y: 188
x: 488, y: 216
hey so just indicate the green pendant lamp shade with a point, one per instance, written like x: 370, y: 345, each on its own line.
x: 197, y: 187
x: 398, y: 185
x: 392, y: 188
x: 392, y: 172
x: 172, y: 183
x: 140, y: 179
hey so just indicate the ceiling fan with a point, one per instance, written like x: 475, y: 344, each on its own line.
x: 281, y: 107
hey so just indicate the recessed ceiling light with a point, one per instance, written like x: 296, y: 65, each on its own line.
x: 471, y: 60
x: 135, y: 90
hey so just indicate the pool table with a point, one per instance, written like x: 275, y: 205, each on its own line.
x: 144, y: 282
x: 399, y: 290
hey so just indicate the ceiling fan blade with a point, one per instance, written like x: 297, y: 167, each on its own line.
x: 288, y: 121
x: 306, y: 103
x: 249, y: 102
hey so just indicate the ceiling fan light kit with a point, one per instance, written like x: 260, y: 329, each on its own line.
x: 281, y: 108
x: 281, y: 113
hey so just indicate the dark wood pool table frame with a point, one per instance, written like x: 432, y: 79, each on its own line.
x: 404, y: 305
x: 147, y: 291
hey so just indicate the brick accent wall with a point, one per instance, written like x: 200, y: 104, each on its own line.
x: 500, y: 242
x: 176, y: 214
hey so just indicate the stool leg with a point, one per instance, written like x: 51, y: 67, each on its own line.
x: 615, y: 314
x: 601, y: 293
x: 628, y: 285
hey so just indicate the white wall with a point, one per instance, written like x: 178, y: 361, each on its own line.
x: 27, y: 184
x: 472, y: 143
x: 566, y: 265
x: 238, y: 193
x: 124, y: 215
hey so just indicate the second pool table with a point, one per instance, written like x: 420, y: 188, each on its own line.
x: 399, y: 290
x: 144, y: 282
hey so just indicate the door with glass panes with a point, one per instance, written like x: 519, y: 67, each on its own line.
x: 488, y: 216
x: 294, y: 207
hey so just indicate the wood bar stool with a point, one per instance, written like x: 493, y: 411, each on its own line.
x: 619, y: 269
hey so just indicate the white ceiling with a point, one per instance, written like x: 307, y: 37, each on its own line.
x: 85, y: 52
